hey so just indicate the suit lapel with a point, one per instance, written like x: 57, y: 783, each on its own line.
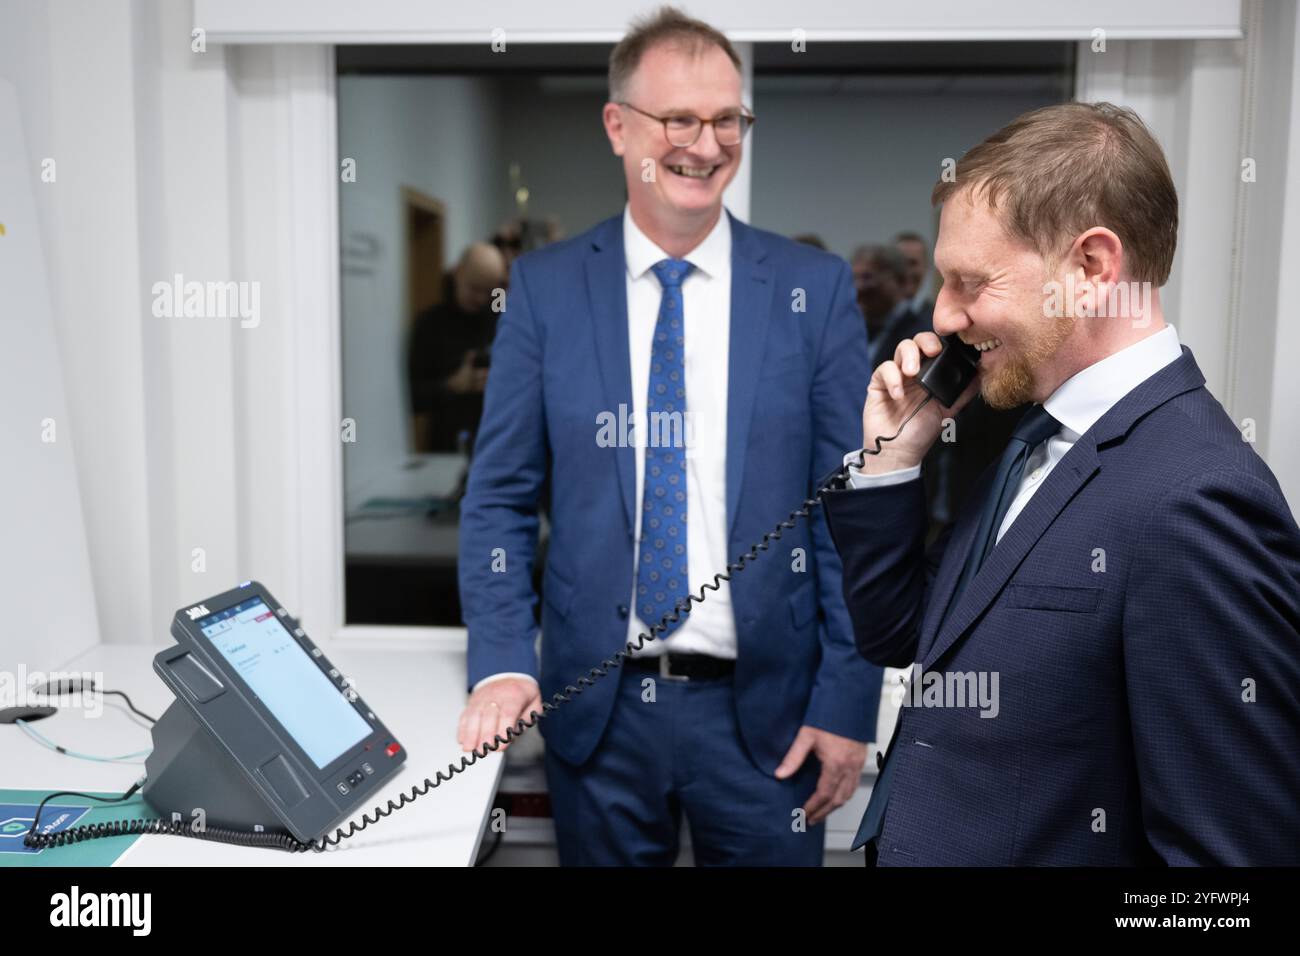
x: 751, y: 314
x: 607, y: 293
x: 1060, y: 486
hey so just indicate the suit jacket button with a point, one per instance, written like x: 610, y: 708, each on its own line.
x: 622, y: 611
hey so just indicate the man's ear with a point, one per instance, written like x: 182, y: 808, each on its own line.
x: 1100, y: 255
x: 1094, y: 263
x: 612, y: 115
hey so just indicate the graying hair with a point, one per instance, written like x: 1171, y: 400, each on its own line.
x: 665, y: 25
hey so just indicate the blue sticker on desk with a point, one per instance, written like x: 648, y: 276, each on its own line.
x: 16, y: 820
x: 18, y: 807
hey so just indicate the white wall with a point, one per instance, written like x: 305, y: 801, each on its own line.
x: 1213, y: 104
x: 1270, y: 285
x: 24, y: 62
x: 72, y: 66
x: 46, y: 588
x: 24, y: 46
x: 165, y: 165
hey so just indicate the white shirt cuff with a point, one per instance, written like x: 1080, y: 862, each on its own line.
x: 488, y: 680
x: 858, y: 480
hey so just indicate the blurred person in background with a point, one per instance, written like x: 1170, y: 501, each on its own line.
x: 880, y: 275
x: 447, y: 356
x: 916, y: 289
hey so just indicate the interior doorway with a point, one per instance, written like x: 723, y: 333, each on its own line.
x: 425, y: 219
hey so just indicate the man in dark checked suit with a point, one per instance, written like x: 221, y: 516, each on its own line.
x: 1126, y: 580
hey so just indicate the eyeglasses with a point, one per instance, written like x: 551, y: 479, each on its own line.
x: 684, y: 129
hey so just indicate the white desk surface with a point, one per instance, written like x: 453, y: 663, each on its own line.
x: 416, y: 685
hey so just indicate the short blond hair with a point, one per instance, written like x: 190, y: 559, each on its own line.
x: 1053, y: 173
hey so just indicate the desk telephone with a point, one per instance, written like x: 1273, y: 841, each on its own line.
x: 275, y: 748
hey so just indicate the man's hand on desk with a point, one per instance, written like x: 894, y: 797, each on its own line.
x: 493, y: 707
x: 842, y: 759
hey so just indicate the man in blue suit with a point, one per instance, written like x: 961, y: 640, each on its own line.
x: 744, y: 353
x: 1106, y: 667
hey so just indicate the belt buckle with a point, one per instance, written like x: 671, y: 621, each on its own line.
x: 664, y: 672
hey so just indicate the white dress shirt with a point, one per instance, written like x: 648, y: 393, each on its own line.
x: 710, y: 628
x: 1077, y: 404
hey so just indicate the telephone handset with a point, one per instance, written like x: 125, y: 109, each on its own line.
x: 945, y: 377
x: 948, y: 374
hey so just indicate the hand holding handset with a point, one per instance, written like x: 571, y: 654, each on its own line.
x: 902, y: 389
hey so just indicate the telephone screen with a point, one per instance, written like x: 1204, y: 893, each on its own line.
x: 280, y: 672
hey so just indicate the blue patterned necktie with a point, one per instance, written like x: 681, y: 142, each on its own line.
x: 662, y: 579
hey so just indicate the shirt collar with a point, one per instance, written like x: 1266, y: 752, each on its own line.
x: 1087, y: 395
x: 711, y: 257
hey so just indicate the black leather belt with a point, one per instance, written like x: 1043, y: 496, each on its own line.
x: 683, y: 666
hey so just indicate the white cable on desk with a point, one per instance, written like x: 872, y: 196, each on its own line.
x: 46, y: 742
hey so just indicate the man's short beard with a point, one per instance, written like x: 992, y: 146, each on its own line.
x: 1013, y: 385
